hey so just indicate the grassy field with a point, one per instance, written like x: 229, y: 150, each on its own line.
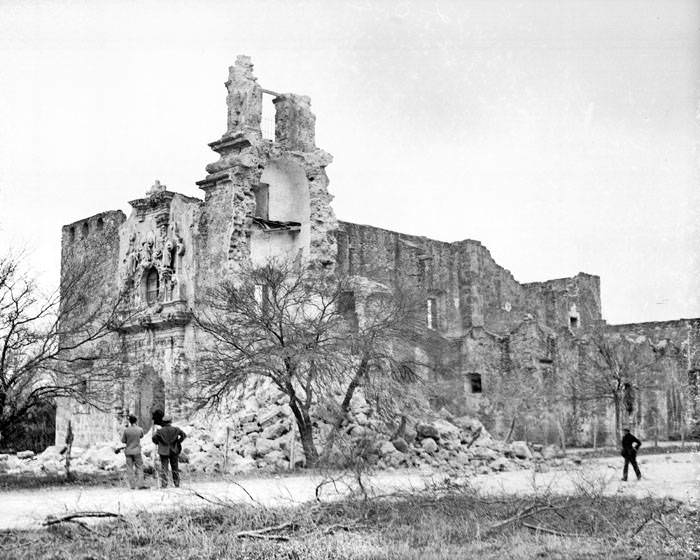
x: 441, y: 523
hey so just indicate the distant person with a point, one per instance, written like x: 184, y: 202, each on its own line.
x: 169, y: 439
x: 131, y: 438
x: 630, y: 445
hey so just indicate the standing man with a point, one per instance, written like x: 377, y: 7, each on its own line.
x: 169, y: 440
x: 134, y: 462
x: 630, y: 445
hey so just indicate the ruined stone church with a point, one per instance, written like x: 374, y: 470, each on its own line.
x: 267, y: 196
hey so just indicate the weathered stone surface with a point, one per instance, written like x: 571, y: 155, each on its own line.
x: 499, y: 464
x: 264, y: 446
x: 276, y: 430
x: 429, y: 445
x: 521, y: 450
x: 427, y: 431
x: 400, y: 444
x: 250, y: 428
x: 270, y: 415
x: 386, y: 448
x: 25, y: 454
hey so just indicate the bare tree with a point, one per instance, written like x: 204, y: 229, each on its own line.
x: 51, y: 346
x: 615, y: 369
x: 307, y: 332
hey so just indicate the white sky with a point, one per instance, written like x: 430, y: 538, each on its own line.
x: 561, y: 134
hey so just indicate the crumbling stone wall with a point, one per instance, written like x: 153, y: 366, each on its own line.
x: 483, y: 322
x: 89, y: 246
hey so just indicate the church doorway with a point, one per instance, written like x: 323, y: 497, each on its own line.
x: 150, y: 397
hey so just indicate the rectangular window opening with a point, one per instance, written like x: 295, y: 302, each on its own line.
x: 262, y: 200
x: 573, y: 322
x: 432, y: 314
x: 475, y: 382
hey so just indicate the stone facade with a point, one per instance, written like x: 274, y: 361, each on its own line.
x: 268, y: 197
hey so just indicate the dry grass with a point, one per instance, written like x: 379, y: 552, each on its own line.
x: 441, y: 523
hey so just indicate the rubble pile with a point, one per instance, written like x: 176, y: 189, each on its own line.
x: 261, y: 435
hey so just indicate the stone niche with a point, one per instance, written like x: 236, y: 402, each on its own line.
x: 149, y: 396
x: 281, y: 227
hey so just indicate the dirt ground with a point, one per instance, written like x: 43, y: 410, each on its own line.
x: 673, y: 475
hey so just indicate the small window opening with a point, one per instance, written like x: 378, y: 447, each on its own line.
x: 262, y: 201
x: 573, y: 322
x: 152, y: 286
x: 71, y: 234
x: 100, y: 223
x: 351, y: 260
x: 475, y: 382
x: 346, y: 302
x: 432, y: 314
x: 86, y: 230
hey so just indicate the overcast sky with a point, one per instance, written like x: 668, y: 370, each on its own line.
x: 561, y: 134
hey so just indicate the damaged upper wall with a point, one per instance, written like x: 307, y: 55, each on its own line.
x: 466, y: 286
x: 264, y: 198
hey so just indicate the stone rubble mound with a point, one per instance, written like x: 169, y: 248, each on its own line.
x: 261, y: 435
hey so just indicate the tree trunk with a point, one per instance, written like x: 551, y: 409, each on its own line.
x: 512, y: 427
x: 562, y: 435
x: 305, y: 433
x: 307, y: 442
x: 69, y: 448
x: 344, y: 407
x: 616, y: 403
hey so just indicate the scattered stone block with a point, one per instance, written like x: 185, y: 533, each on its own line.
x: 400, y: 445
x: 427, y: 431
x: 386, y: 448
x: 428, y: 444
x: 25, y: 454
x: 276, y: 430
x: 250, y: 428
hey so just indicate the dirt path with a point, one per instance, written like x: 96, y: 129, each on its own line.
x: 676, y: 476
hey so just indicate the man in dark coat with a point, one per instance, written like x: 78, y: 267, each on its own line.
x: 630, y: 445
x: 169, y: 440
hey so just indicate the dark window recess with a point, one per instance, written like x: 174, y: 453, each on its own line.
x: 100, y: 223
x: 346, y: 302
x: 86, y: 230
x: 432, y: 313
x: 351, y: 260
x: 152, y: 286
x: 71, y: 234
x: 262, y: 201
x: 475, y: 382
x: 573, y: 322
x: 549, y: 348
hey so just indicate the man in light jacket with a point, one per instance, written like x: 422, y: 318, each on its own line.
x: 131, y: 437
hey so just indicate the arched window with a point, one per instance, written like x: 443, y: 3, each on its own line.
x: 152, y: 286
x: 86, y: 230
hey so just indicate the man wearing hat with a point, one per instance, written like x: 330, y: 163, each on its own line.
x: 169, y: 440
x: 630, y: 445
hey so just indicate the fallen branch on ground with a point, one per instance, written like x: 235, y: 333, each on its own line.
x: 53, y: 520
x: 264, y: 533
x: 542, y: 529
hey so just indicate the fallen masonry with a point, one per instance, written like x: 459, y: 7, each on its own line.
x: 261, y: 437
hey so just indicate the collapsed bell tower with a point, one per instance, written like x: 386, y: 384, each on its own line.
x: 265, y: 197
